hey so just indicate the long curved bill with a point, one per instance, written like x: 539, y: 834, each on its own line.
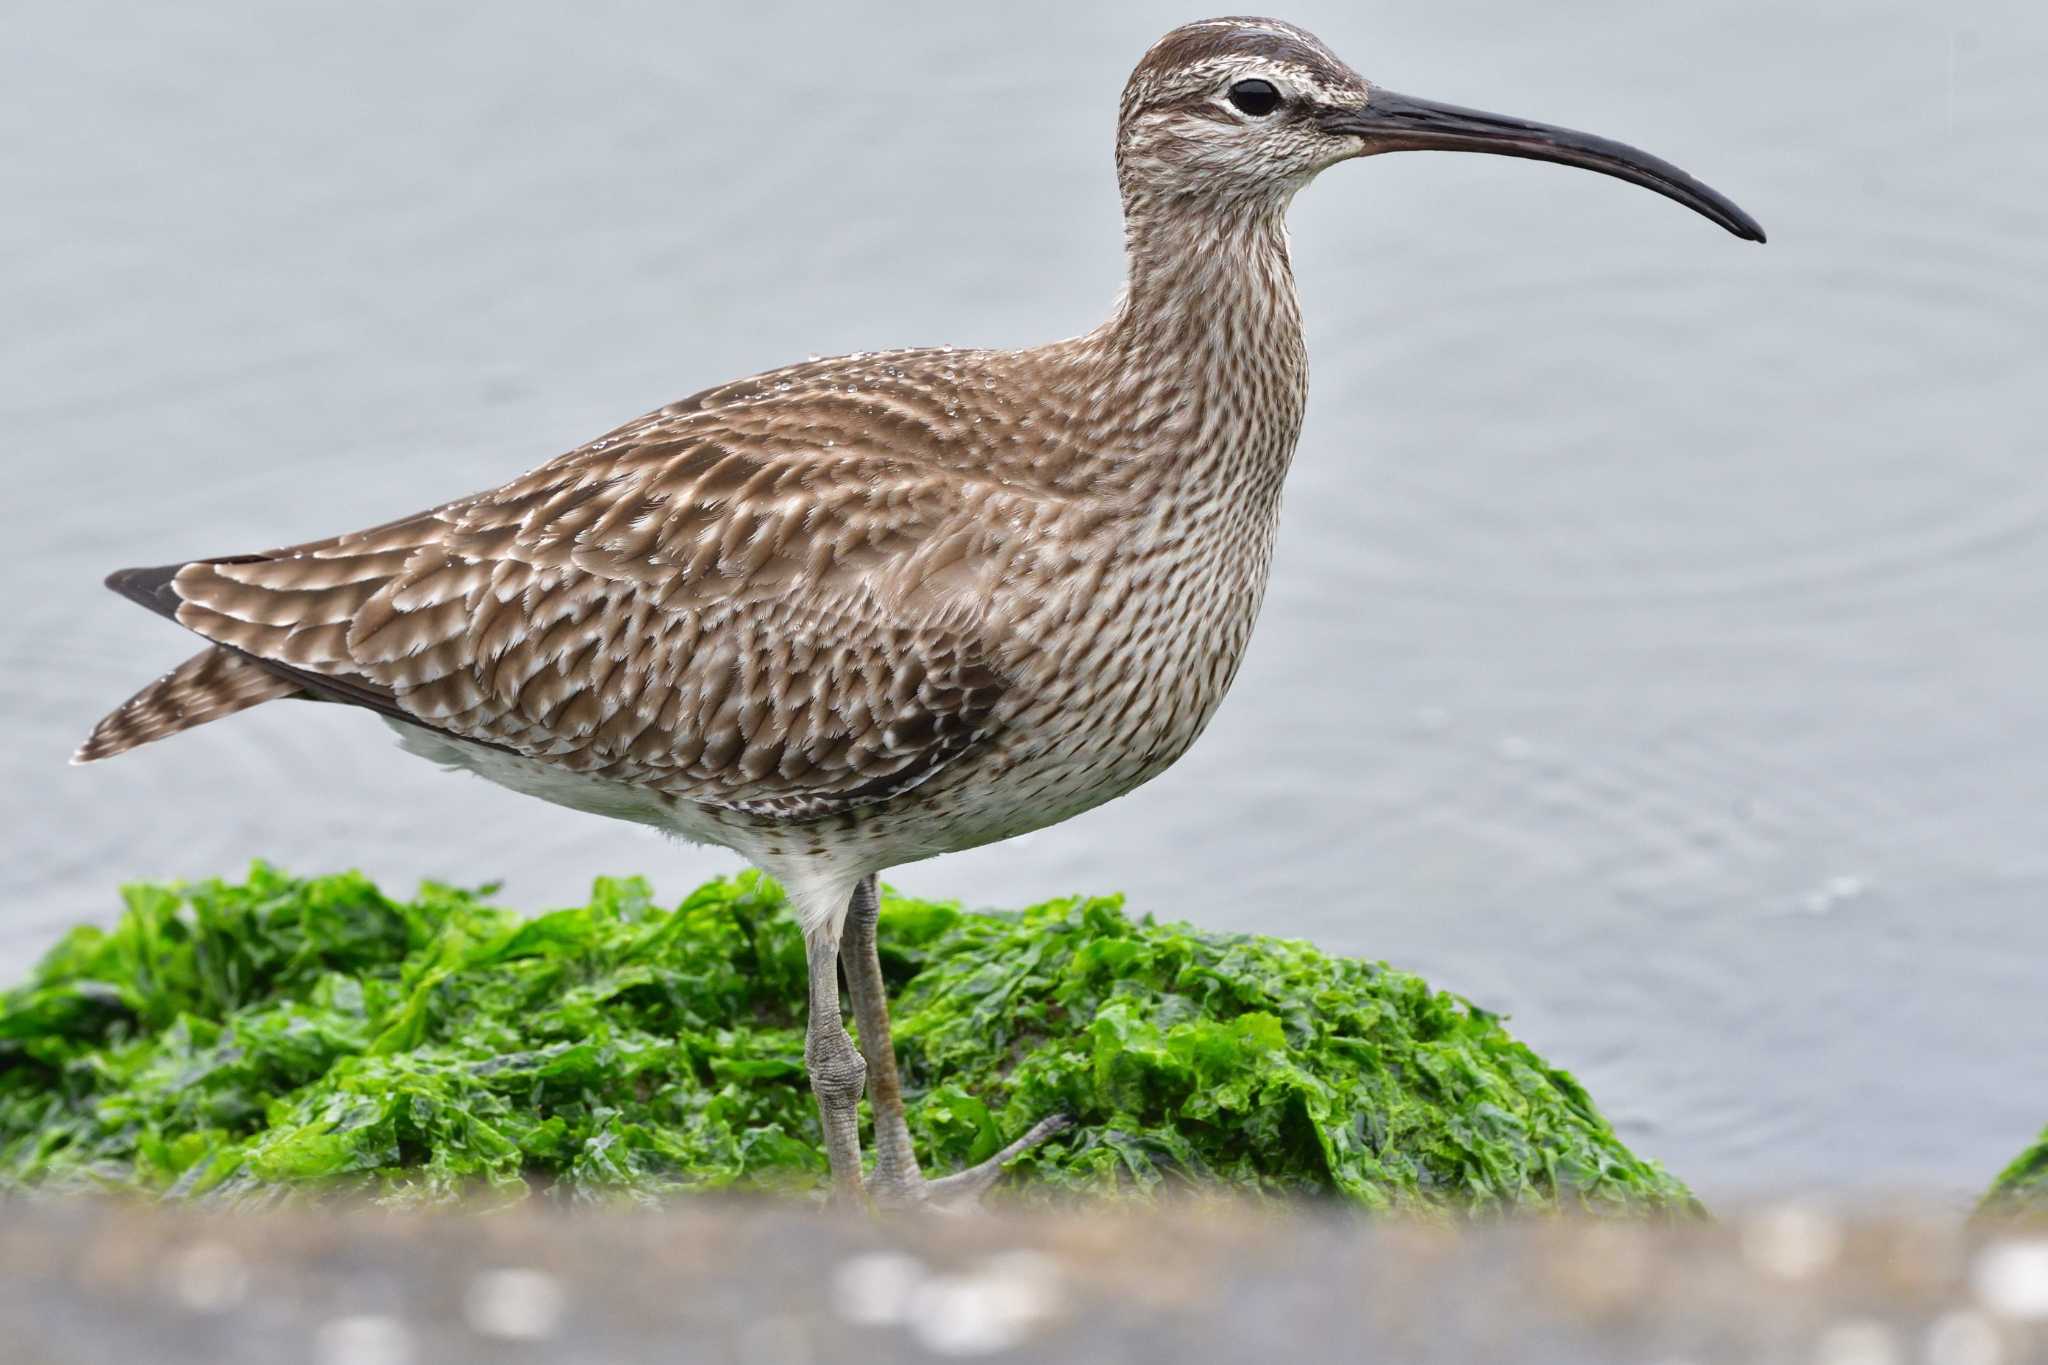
x: 1390, y: 122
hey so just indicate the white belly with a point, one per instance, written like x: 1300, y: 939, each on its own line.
x: 532, y: 777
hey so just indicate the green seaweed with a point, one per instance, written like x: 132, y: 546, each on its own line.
x: 2022, y: 1187
x: 244, y: 1041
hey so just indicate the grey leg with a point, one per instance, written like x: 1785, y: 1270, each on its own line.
x: 896, y: 1176
x: 897, y: 1181
x: 836, y: 1069
x: 965, y: 1188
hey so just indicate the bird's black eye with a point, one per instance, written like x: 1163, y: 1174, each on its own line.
x: 1257, y: 98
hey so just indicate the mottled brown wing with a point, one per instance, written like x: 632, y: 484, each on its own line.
x: 719, y: 615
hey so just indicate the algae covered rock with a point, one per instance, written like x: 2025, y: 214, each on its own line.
x: 2022, y: 1187
x: 243, y: 1040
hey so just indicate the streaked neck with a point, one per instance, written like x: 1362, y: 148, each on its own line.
x: 1202, y: 360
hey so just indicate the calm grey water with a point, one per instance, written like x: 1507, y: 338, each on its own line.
x: 1656, y: 648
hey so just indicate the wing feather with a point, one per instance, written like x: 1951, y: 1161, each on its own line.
x: 685, y: 605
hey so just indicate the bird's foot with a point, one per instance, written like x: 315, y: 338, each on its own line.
x: 962, y: 1190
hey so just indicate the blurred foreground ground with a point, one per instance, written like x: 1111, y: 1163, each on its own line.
x: 777, y: 1285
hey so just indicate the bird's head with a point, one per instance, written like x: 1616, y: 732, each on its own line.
x: 1235, y: 111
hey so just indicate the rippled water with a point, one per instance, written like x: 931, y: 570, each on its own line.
x: 1656, y: 649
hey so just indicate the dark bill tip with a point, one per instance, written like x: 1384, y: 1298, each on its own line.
x: 1390, y: 122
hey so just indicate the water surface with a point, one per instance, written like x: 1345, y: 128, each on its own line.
x: 1658, y: 645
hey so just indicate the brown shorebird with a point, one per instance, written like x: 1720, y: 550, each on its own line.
x: 866, y: 610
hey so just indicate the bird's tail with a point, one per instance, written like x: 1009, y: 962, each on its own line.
x: 213, y: 683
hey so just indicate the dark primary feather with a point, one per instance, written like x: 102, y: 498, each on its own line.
x: 148, y: 587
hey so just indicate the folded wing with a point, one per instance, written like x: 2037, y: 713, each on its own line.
x: 715, y: 614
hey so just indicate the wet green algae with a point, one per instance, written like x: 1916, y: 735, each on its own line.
x: 240, y: 1041
x: 2022, y: 1187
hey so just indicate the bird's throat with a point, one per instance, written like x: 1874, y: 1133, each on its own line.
x: 1205, y: 347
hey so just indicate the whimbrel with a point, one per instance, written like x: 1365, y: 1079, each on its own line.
x: 866, y: 610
